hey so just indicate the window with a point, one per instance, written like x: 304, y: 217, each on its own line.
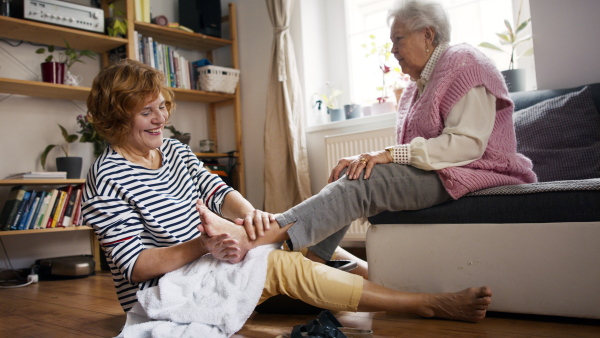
x: 473, y: 21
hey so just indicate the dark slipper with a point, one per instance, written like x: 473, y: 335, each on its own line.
x: 326, y: 326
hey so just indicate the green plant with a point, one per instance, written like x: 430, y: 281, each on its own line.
x: 510, y: 38
x: 175, y: 131
x: 330, y: 100
x: 89, y: 134
x: 383, y: 54
x: 68, y: 139
x: 118, y: 24
x: 68, y: 56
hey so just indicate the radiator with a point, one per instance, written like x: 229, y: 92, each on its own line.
x: 338, y: 146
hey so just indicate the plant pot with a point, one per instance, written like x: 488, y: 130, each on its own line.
x: 185, y: 139
x: 382, y: 108
x: 53, y: 72
x: 336, y: 114
x: 72, y: 165
x: 352, y: 111
x: 515, y: 79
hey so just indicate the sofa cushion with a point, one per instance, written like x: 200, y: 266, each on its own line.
x: 561, y: 136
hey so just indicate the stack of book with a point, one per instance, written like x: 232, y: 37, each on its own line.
x: 38, y: 209
x: 39, y: 175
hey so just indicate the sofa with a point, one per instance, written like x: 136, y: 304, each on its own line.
x: 536, y: 245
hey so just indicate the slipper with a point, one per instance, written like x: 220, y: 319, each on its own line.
x: 326, y: 326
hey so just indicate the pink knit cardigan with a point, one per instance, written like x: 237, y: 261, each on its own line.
x: 458, y: 70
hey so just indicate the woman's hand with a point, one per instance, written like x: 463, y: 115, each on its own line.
x: 356, y: 164
x: 222, y: 247
x: 256, y: 223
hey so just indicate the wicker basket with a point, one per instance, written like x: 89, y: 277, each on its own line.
x: 218, y: 79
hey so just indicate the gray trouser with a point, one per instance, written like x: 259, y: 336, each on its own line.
x: 322, y: 220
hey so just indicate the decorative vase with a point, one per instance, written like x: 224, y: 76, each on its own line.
x: 515, y: 79
x: 53, y: 72
x: 352, y: 111
x: 382, y: 108
x: 336, y: 114
x: 72, y: 165
x: 72, y: 80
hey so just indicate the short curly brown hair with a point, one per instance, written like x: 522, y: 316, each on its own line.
x: 120, y: 90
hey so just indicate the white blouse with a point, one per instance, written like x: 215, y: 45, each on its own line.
x: 466, y: 131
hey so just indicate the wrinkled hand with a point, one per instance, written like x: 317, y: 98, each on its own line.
x: 222, y: 247
x: 256, y: 223
x: 356, y: 165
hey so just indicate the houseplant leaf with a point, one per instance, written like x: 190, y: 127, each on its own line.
x: 45, y: 154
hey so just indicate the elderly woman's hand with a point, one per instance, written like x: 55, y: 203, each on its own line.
x: 356, y: 164
x: 256, y: 223
x: 222, y: 247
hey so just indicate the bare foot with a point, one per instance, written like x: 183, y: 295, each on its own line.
x: 469, y: 305
x: 214, y: 225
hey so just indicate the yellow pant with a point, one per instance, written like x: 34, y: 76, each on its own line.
x: 291, y: 274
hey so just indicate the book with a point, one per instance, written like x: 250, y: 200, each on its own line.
x: 15, y: 196
x: 48, y: 210
x: 53, y: 209
x: 38, y: 175
x: 39, y: 209
x: 70, y: 206
x: 61, y: 217
x: 59, y: 208
x: 77, y: 217
x: 139, y: 15
x: 15, y: 223
x: 27, y: 211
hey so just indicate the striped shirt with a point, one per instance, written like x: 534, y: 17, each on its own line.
x: 132, y: 208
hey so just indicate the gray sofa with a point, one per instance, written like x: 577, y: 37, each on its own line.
x: 536, y: 245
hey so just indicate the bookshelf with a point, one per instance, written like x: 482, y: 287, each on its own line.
x: 38, y: 32
x: 94, y: 246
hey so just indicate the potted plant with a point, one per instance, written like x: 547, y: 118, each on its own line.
x: 182, y: 137
x: 330, y: 101
x: 116, y: 24
x: 89, y: 134
x: 72, y: 165
x: 56, y: 69
x: 515, y: 78
x: 383, y: 54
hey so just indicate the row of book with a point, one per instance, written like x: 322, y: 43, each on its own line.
x: 179, y: 72
x: 37, y: 209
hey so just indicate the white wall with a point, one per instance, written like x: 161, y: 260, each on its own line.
x: 566, y: 43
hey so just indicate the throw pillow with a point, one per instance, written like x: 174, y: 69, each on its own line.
x: 561, y: 136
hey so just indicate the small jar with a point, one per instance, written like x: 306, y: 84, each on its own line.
x: 207, y: 146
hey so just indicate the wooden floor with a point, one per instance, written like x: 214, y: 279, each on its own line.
x: 88, y: 307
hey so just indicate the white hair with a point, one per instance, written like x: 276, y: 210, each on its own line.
x: 420, y: 14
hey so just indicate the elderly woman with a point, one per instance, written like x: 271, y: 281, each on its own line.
x: 455, y: 135
x: 141, y: 199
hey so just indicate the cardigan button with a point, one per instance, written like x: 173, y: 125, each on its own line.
x: 449, y: 184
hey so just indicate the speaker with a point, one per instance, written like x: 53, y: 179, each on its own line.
x: 201, y: 16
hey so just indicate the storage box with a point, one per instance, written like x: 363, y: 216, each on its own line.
x: 218, y: 79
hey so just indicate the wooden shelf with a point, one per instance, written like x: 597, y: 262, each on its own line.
x: 42, y: 231
x: 64, y: 92
x: 43, y: 89
x: 37, y: 32
x: 42, y: 182
x: 176, y: 37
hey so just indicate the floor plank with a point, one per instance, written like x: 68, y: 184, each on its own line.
x: 88, y: 307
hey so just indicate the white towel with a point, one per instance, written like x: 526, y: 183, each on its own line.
x: 206, y: 298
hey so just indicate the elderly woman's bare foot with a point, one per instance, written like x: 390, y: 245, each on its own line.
x: 469, y: 305
x: 214, y: 225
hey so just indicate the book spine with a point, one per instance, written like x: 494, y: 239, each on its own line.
x: 67, y: 220
x: 53, y: 210
x: 36, y: 212
x: 27, y: 212
x: 43, y: 208
x: 34, y: 206
x: 49, y: 208
x: 77, y: 213
x: 59, y: 209
x: 69, y: 190
x: 22, y: 206
x: 11, y: 206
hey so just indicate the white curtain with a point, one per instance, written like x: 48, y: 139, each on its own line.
x: 286, y: 164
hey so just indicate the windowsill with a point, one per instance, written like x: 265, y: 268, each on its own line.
x: 353, y: 122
